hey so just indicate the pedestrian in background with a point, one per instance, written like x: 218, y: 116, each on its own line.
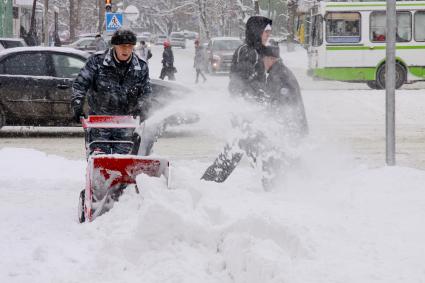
x: 100, y: 43
x: 199, y: 61
x: 144, y: 52
x: 168, y: 68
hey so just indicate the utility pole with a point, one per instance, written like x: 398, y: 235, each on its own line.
x: 46, y: 22
x: 390, y: 77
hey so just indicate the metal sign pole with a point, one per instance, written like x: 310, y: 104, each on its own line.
x: 390, y: 78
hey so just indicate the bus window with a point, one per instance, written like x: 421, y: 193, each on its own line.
x: 378, y: 23
x: 419, y: 26
x: 404, y: 26
x: 317, y: 31
x: 343, y: 27
x: 377, y: 26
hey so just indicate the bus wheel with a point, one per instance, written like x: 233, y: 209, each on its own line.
x: 400, y: 76
x: 373, y: 84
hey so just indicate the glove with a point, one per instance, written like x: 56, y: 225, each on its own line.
x: 139, y: 114
x: 77, y: 109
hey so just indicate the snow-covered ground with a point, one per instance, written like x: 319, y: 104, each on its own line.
x: 339, y: 215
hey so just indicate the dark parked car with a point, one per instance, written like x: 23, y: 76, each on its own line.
x: 11, y: 42
x: 35, y: 85
x: 220, y: 52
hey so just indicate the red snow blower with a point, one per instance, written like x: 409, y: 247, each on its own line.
x: 108, y: 172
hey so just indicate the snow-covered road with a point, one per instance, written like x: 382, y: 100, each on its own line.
x: 339, y: 215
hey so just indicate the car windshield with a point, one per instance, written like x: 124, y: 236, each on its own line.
x: 226, y: 44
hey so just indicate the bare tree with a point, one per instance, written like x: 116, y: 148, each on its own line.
x: 71, y: 20
x: 31, y: 38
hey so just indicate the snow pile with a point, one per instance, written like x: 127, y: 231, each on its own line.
x: 330, y: 221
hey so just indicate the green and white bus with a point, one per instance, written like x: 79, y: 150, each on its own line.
x: 347, y: 42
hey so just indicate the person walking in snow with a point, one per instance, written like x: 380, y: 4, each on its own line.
x: 144, y: 52
x: 100, y: 43
x: 168, y: 68
x: 247, y: 74
x: 116, y: 82
x: 199, y: 61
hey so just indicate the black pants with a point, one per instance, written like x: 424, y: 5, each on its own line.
x: 167, y: 72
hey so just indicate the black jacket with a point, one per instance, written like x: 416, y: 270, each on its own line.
x: 109, y: 90
x: 167, y: 57
x: 247, y: 74
x: 284, y: 97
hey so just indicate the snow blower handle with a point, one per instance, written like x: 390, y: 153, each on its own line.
x: 110, y: 122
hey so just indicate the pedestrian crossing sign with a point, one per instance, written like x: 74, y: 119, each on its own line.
x: 113, y: 21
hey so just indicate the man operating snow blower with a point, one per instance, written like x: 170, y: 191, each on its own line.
x: 117, y: 85
x: 116, y: 82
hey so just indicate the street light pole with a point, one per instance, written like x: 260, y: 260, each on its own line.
x: 390, y: 77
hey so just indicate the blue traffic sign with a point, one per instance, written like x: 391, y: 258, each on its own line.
x: 113, y: 21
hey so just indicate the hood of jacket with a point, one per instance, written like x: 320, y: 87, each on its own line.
x: 254, y: 29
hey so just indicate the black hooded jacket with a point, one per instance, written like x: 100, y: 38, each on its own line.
x: 247, y: 74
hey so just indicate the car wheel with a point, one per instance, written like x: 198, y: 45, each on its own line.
x: 2, y: 117
x: 400, y: 76
x: 373, y: 85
